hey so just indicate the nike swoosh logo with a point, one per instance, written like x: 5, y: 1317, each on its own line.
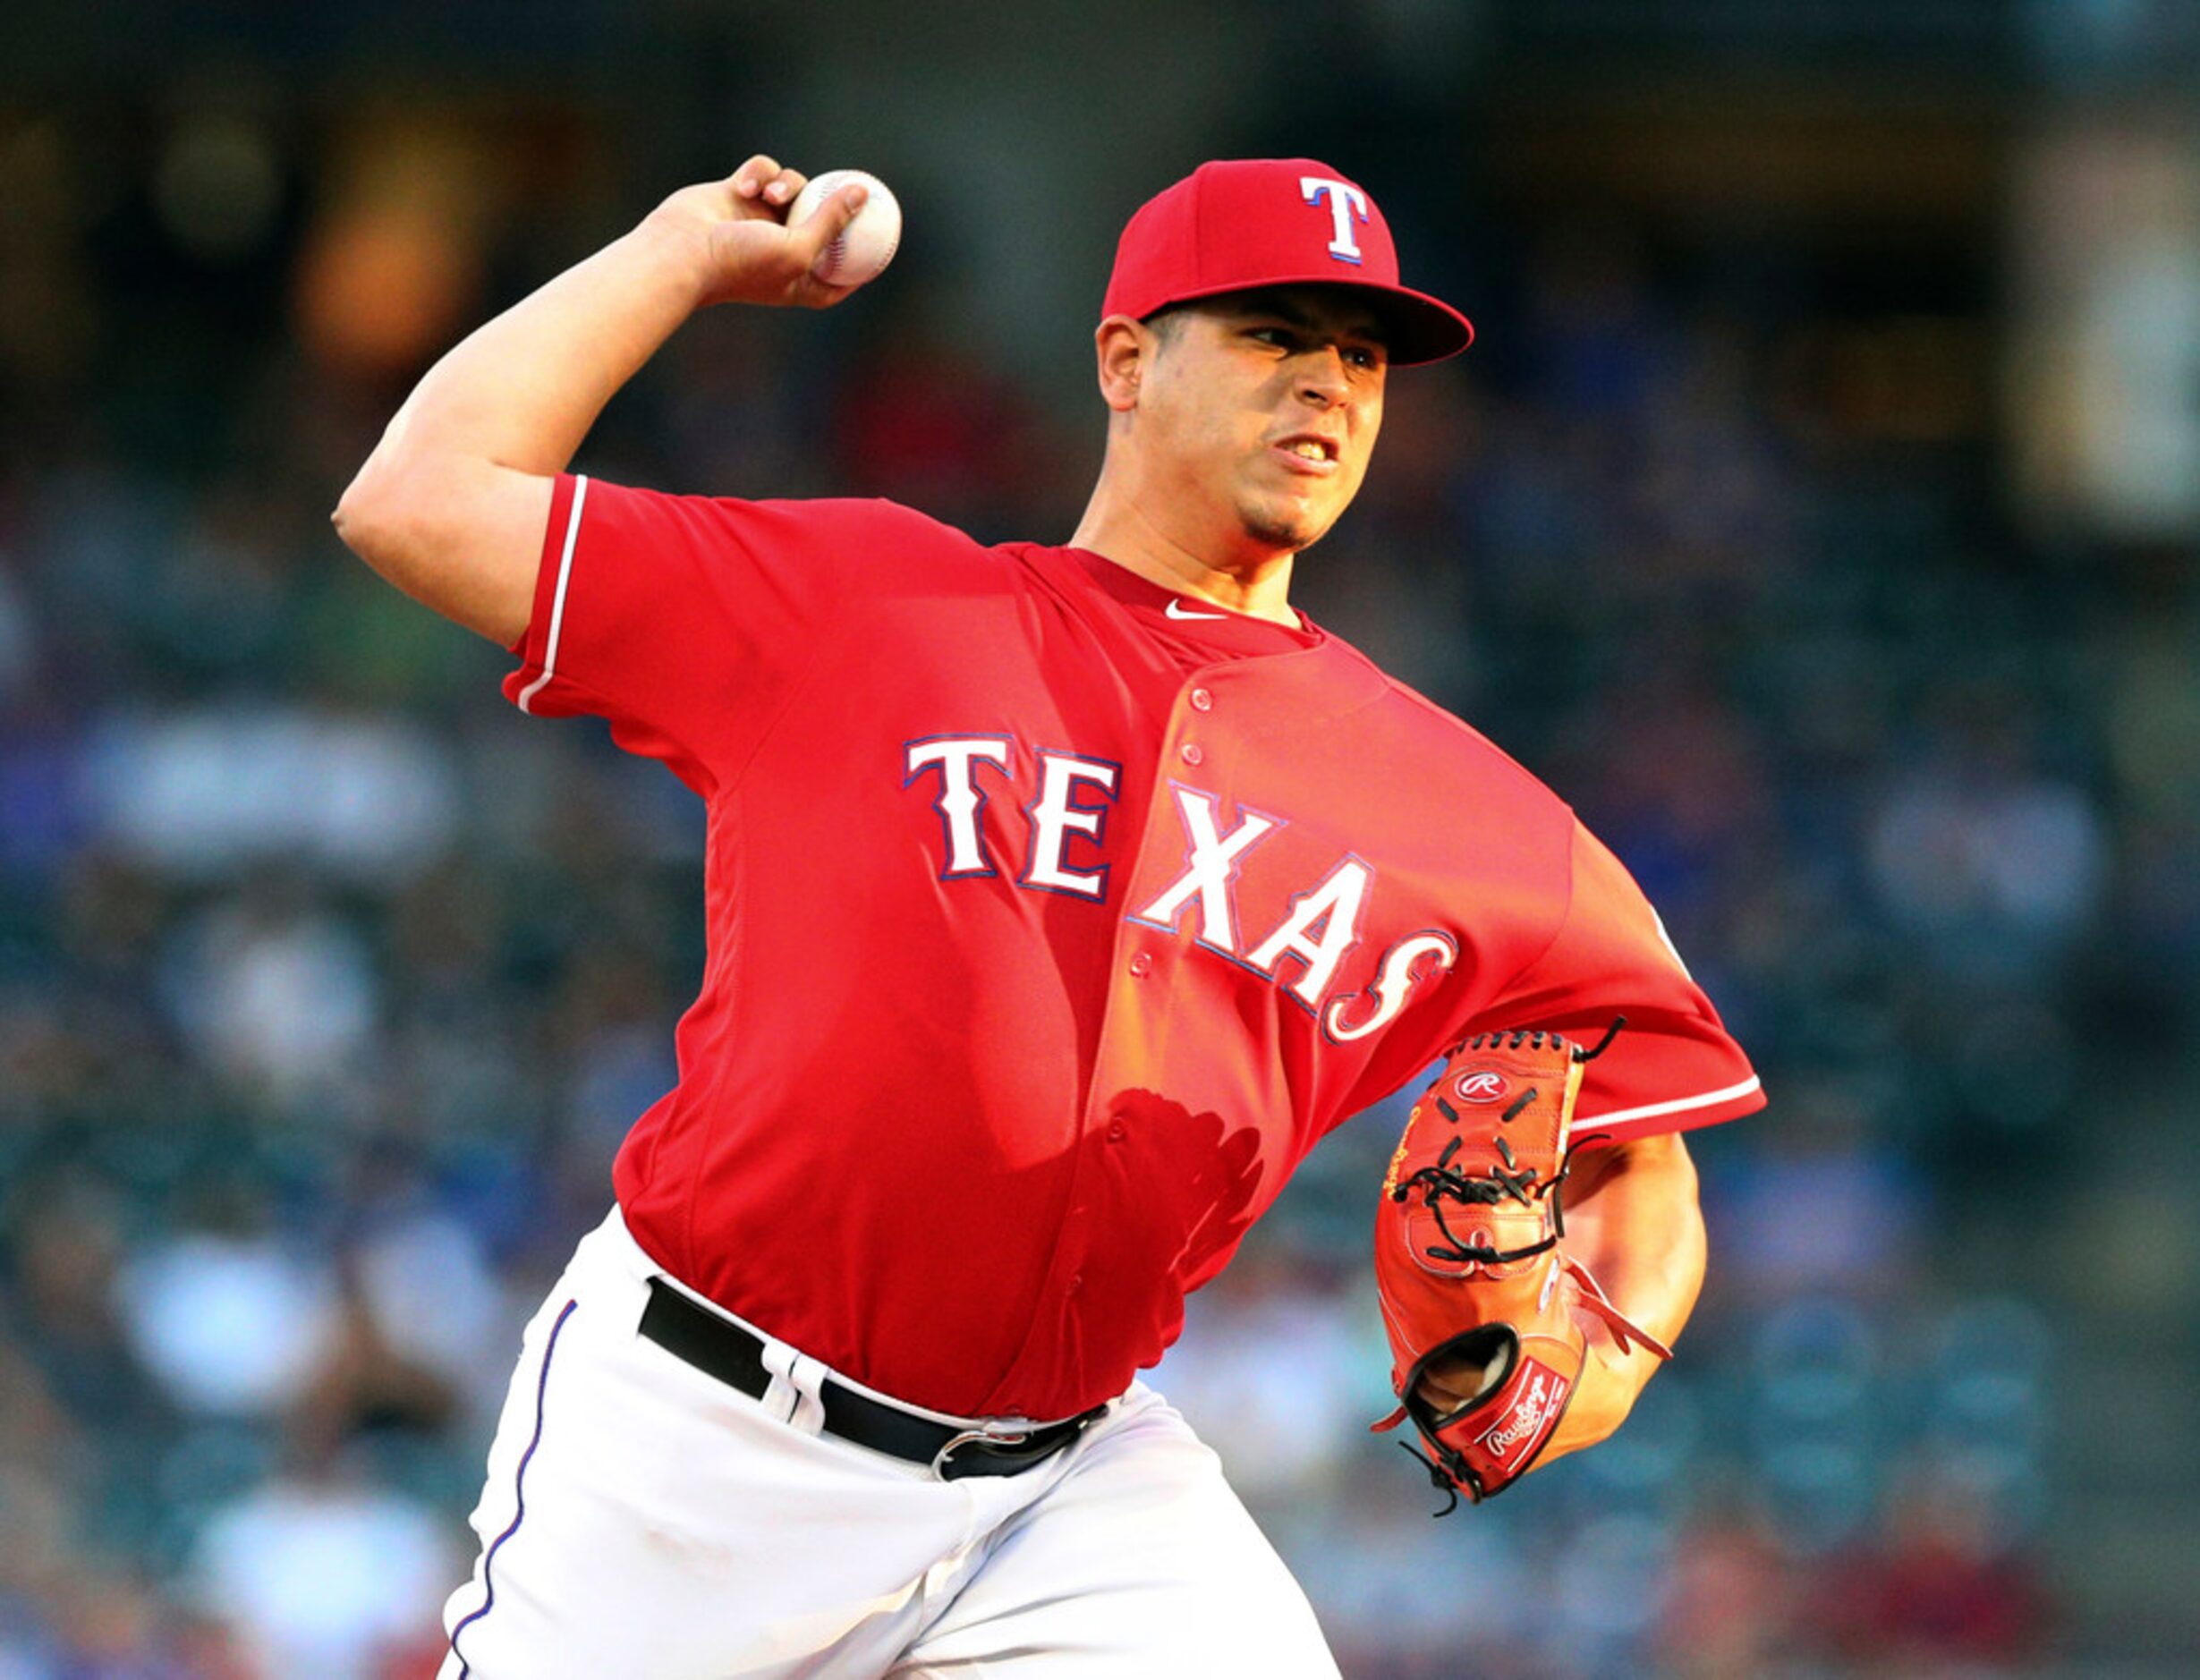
x: 1176, y: 610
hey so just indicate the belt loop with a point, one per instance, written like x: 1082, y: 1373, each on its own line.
x: 808, y: 1378
x: 784, y: 1398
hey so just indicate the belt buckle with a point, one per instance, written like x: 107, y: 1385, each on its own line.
x: 992, y: 1433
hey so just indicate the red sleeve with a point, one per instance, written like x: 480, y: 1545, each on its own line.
x: 686, y: 621
x: 1673, y: 1067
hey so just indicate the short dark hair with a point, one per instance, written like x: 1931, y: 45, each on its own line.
x: 1168, y: 321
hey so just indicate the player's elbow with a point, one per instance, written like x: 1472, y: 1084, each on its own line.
x: 353, y: 522
x: 372, y: 515
x: 459, y: 535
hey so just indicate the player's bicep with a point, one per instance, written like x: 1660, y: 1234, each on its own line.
x: 1660, y: 1159
x: 462, y: 537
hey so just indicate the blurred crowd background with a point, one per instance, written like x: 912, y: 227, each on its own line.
x: 1819, y: 513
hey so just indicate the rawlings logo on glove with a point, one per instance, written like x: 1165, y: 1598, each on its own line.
x: 1468, y: 1266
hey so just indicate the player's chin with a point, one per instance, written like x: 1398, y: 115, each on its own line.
x: 1291, y: 525
x: 1268, y: 529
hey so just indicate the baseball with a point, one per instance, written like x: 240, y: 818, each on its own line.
x: 868, y: 243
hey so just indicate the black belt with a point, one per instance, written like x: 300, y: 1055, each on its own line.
x: 735, y: 1357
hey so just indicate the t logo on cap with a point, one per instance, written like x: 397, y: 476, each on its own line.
x: 1346, y: 203
x: 1241, y: 225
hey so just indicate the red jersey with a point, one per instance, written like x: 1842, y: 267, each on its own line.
x: 1052, y: 919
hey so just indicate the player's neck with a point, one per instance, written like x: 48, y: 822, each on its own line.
x: 1253, y: 580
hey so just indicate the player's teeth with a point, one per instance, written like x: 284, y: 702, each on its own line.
x: 1312, y: 452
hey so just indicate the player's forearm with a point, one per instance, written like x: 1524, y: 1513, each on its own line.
x: 1633, y: 1217
x: 522, y: 391
x: 450, y: 507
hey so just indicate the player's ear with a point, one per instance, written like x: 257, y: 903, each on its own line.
x: 1125, y: 349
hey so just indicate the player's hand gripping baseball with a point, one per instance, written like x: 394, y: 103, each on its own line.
x: 743, y: 249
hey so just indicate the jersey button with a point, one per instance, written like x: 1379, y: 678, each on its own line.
x: 1190, y: 752
x: 1202, y: 700
x: 1116, y: 1130
x: 1076, y: 1282
x: 1142, y: 965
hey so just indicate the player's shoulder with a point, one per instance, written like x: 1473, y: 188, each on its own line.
x: 872, y: 545
x: 873, y: 517
x: 862, y: 517
x: 1448, y: 742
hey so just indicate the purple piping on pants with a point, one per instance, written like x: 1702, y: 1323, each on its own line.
x: 519, y: 1490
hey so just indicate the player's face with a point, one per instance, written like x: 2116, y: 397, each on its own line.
x: 1259, y: 411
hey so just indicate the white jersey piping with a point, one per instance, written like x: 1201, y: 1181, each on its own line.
x: 1651, y: 1110
x: 557, y: 600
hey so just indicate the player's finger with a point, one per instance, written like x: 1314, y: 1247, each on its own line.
x: 830, y: 220
x: 782, y: 187
x: 753, y: 178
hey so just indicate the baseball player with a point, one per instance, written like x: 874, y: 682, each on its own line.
x: 1060, y: 898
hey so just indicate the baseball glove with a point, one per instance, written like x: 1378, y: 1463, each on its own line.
x: 1469, y: 1266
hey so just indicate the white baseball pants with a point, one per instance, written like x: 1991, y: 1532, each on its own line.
x: 643, y: 1521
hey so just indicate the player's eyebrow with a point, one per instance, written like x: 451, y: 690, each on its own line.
x: 1293, y: 313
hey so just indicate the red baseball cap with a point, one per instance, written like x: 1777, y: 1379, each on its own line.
x: 1242, y: 223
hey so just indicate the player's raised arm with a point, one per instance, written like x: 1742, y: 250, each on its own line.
x: 451, y: 505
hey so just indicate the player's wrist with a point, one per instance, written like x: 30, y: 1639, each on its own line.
x: 1604, y: 1395
x: 674, y: 248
